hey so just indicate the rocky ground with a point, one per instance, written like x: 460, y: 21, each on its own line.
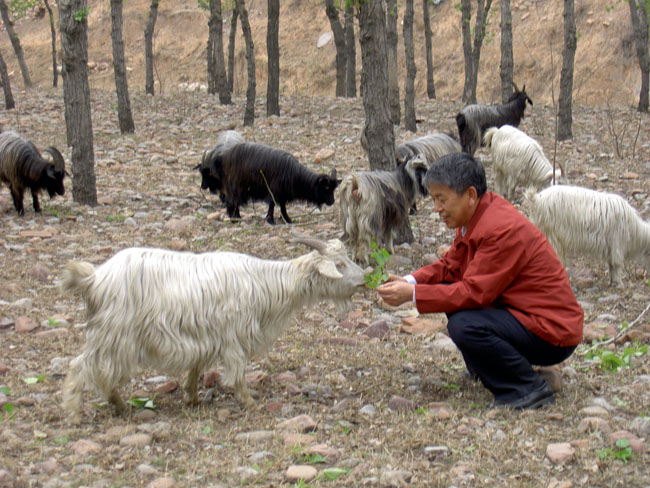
x: 376, y: 397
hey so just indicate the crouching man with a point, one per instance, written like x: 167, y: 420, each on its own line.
x: 506, y: 295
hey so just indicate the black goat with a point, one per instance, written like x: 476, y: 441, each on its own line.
x: 258, y: 172
x: 210, y: 165
x: 474, y: 120
x: 22, y: 167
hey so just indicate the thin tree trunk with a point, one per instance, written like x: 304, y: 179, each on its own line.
x: 411, y: 69
x: 119, y: 68
x: 217, y: 79
x: 231, y: 46
x: 210, y: 57
x: 339, y: 42
x: 15, y: 42
x: 393, y: 79
x: 6, y: 85
x: 350, y: 54
x: 76, y: 98
x: 431, y: 90
x: 507, y: 62
x: 374, y: 85
x: 273, y: 54
x: 473, y: 54
x: 55, y: 71
x: 639, y: 17
x: 148, y: 47
x: 565, y: 118
x: 249, y: 113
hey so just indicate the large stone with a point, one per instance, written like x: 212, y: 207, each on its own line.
x: 136, y: 440
x: 301, y: 423
x: 25, y: 324
x: 400, y: 404
x: 378, y: 329
x: 300, y: 472
x: 560, y: 452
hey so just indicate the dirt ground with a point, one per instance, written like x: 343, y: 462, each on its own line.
x: 325, y: 365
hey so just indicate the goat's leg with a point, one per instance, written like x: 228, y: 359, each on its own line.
x: 191, y: 394
x: 269, y: 214
x: 615, y: 269
x: 242, y: 394
x: 115, y: 399
x: 72, y: 391
x: 283, y: 211
x: 17, y: 195
x: 35, y: 202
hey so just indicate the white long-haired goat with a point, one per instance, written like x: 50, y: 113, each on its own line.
x: 374, y: 204
x: 518, y: 160
x: 179, y: 312
x: 582, y: 222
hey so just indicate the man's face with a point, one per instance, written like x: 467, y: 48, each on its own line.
x: 455, y: 210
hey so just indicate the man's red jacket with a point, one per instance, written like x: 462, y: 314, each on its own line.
x: 503, y: 261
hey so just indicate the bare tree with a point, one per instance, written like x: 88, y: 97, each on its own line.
x: 378, y: 129
x: 507, y: 63
x: 15, y: 42
x: 217, y: 79
x: 639, y: 16
x: 350, y: 54
x: 339, y: 43
x: 6, y: 85
x: 55, y: 71
x: 565, y: 102
x: 73, y: 22
x: 119, y: 68
x: 231, y: 45
x: 148, y: 47
x: 249, y: 113
x: 393, y: 80
x: 273, y: 54
x: 411, y: 69
x: 473, y: 53
x: 431, y: 90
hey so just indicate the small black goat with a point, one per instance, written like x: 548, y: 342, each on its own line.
x: 22, y: 167
x: 253, y: 171
x: 210, y: 165
x: 474, y: 120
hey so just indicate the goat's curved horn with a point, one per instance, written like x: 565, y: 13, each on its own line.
x: 312, y: 242
x: 333, y: 173
x: 515, y: 85
x: 57, y: 158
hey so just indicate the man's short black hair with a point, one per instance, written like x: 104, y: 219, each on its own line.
x: 457, y: 171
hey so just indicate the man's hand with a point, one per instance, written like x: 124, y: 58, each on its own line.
x: 396, y: 291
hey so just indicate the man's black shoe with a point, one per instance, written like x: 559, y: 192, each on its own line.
x: 535, y: 399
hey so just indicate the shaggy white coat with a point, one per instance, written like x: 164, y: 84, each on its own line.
x: 518, y: 160
x: 181, y: 313
x: 582, y: 222
x: 431, y: 147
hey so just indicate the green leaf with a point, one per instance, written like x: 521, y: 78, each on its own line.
x: 61, y: 440
x: 206, y: 430
x: 315, y: 459
x: 5, y: 389
x: 623, y: 443
x: 331, y: 474
x: 32, y: 380
x: 141, y: 402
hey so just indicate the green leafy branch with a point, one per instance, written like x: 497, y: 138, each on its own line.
x: 379, y: 275
x: 611, y: 361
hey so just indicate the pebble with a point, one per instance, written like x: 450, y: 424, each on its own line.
x: 255, y: 436
x: 136, y: 440
x: 23, y: 304
x: 300, y: 472
x: 301, y: 423
x: 146, y: 469
x: 400, y: 404
x: 85, y: 447
x: 368, y: 411
x: 25, y: 324
x: 560, y: 453
x: 3, y: 367
x: 247, y: 474
x: 162, y: 483
x: 39, y: 272
x: 593, y: 411
x: 329, y: 453
x: 433, y: 452
x: 6, y: 478
x: 378, y: 329
x: 594, y: 423
x: 395, y: 478
x: 298, y: 439
x: 47, y: 467
x: 56, y: 332
x: 259, y: 456
x: 641, y: 425
x: 635, y: 443
x: 442, y: 343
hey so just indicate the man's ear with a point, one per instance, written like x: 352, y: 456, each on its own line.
x: 472, y: 193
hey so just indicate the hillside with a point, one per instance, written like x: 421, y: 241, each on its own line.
x: 606, y: 70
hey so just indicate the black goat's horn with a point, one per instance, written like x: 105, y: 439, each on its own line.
x: 57, y: 158
x: 515, y: 85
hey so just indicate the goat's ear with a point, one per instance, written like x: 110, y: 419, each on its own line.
x: 197, y: 166
x: 333, y: 173
x: 328, y: 269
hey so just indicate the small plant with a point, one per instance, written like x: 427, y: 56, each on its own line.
x: 52, y: 322
x: 7, y: 411
x: 379, y: 276
x: 141, y: 403
x: 621, y: 451
x: 611, y: 361
x: 331, y: 474
x: 32, y: 380
x: 313, y: 458
x: 81, y: 14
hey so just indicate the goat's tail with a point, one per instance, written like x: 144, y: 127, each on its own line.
x: 487, y: 137
x: 78, y: 276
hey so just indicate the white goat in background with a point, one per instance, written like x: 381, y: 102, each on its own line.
x: 582, y: 222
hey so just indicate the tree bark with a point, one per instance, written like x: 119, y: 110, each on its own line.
x: 273, y: 54
x: 217, y: 78
x: 119, y: 68
x: 339, y: 42
x: 393, y: 79
x: 639, y: 17
x: 231, y: 46
x: 374, y: 85
x: 249, y: 113
x: 473, y: 53
x: 55, y: 71
x: 350, y: 55
x: 565, y: 118
x: 507, y: 62
x: 76, y: 98
x: 15, y: 42
x: 148, y: 47
x: 431, y: 90
x: 411, y: 69
x: 6, y: 85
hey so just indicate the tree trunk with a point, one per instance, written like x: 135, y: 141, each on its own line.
x: 6, y: 85
x: 565, y: 101
x: 411, y: 69
x: 374, y: 85
x: 148, y: 47
x: 350, y: 55
x: 55, y: 71
x: 339, y: 42
x: 507, y: 62
x: 473, y: 54
x: 231, y: 46
x: 393, y: 79
x: 209, y: 54
x: 431, y: 90
x: 639, y: 17
x: 249, y: 113
x: 15, y: 42
x: 76, y: 98
x: 119, y: 68
x: 273, y: 53
x: 217, y: 79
